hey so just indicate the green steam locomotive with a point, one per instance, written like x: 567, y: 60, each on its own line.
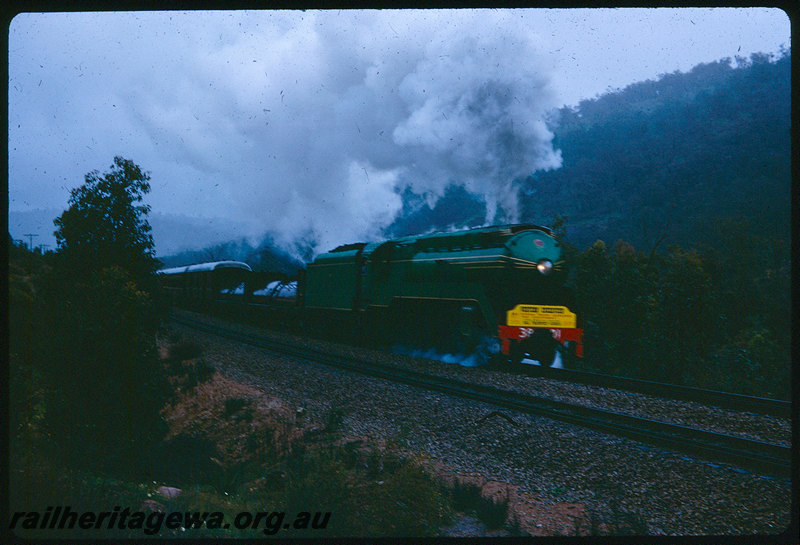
x: 497, y: 291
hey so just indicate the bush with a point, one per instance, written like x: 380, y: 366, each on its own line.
x: 468, y: 498
x: 104, y: 384
x: 184, y: 350
x: 688, y: 317
x: 754, y: 364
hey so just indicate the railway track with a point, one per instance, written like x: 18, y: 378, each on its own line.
x: 725, y: 400
x: 754, y: 455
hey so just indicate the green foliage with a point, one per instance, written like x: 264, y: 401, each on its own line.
x: 41, y: 484
x: 104, y: 384
x: 760, y: 364
x: 400, y: 501
x: 467, y: 498
x: 665, y: 158
x: 407, y: 504
x: 184, y: 350
x: 104, y: 226
x: 85, y: 324
x: 701, y: 318
x: 25, y: 381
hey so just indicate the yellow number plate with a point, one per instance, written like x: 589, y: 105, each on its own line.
x: 540, y: 316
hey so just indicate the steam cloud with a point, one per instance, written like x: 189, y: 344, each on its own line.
x: 332, y: 124
x: 477, y: 108
x: 307, y: 126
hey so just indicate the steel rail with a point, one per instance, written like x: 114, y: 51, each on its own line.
x: 754, y: 455
x: 717, y: 398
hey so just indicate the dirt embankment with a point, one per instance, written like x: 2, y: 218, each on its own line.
x: 244, y: 424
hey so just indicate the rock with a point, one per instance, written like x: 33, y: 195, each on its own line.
x: 152, y: 505
x: 169, y: 492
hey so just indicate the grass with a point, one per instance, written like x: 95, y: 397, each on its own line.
x: 368, y: 492
x: 467, y: 498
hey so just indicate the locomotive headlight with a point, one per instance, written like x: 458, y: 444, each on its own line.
x: 545, y: 266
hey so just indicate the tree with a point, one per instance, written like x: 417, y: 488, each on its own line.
x: 104, y: 226
x: 104, y: 385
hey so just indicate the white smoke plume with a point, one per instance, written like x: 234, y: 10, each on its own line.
x: 304, y: 126
x: 465, y: 105
x: 477, y: 118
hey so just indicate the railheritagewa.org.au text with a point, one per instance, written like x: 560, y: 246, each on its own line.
x: 64, y: 518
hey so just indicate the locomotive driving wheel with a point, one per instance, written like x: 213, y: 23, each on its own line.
x: 541, y: 346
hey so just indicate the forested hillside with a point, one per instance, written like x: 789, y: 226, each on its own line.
x: 671, y: 156
x: 678, y: 193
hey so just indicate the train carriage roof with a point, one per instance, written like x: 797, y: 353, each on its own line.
x: 211, y: 266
